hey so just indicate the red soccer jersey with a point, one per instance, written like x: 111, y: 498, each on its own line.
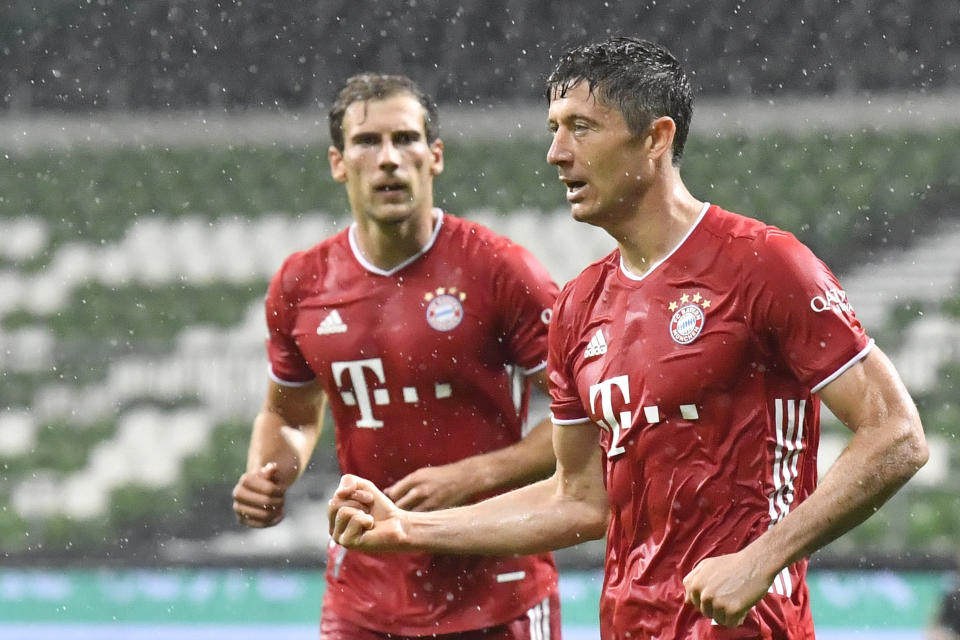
x: 701, y: 377
x: 415, y: 362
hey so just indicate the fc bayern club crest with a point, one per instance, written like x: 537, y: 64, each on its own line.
x: 688, y: 318
x: 445, y: 308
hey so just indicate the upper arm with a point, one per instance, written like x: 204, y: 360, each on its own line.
x: 870, y: 392
x: 579, y: 472
x: 299, y: 406
x: 870, y: 398
x: 286, y: 361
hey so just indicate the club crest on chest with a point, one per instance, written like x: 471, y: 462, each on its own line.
x: 445, y: 308
x: 689, y: 316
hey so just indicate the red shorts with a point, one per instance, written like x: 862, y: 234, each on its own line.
x: 541, y: 622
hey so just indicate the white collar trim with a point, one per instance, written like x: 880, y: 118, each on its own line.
x: 372, y: 268
x: 633, y: 276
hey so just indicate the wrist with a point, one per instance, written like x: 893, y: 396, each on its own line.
x: 771, y: 552
x: 417, y: 531
x: 479, y: 472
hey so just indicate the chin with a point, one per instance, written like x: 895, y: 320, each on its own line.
x: 580, y: 213
x: 586, y: 216
x: 393, y: 214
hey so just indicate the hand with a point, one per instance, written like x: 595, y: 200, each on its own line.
x: 362, y: 517
x: 258, y: 498
x: 431, y: 488
x: 725, y: 588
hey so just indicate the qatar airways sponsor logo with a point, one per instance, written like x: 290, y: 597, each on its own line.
x: 831, y: 300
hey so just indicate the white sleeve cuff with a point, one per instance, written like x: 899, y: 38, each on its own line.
x: 849, y: 363
x: 287, y: 383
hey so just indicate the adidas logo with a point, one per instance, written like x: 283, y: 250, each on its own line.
x: 597, y: 346
x: 332, y: 324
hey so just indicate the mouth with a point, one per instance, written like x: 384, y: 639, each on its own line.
x: 575, y: 189
x: 391, y: 188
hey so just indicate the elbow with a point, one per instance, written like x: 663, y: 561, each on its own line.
x: 585, y: 531
x: 587, y: 523
x: 920, y: 452
x: 596, y: 526
x: 914, y: 452
x: 596, y: 532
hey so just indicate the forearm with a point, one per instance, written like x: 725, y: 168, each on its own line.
x: 565, y: 509
x: 887, y: 448
x: 526, y: 461
x: 870, y: 470
x: 290, y: 447
x: 532, y: 519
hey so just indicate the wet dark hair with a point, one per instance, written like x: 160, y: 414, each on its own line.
x: 377, y: 86
x: 639, y: 78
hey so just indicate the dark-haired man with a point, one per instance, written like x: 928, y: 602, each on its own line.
x: 421, y: 331
x: 697, y: 353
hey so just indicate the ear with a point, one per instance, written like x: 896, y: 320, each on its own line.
x: 436, y: 162
x: 337, y: 170
x: 662, y: 131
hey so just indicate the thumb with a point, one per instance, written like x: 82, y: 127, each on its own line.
x: 269, y: 471
x: 348, y: 483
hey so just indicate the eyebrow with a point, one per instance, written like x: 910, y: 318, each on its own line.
x: 360, y: 135
x: 576, y: 115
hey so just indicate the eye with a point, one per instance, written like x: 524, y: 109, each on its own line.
x: 366, y: 140
x: 406, y: 137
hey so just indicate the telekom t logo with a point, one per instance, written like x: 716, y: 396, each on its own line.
x: 361, y: 395
x: 356, y: 393
x: 616, y: 424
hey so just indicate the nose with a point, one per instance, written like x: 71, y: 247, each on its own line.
x: 389, y: 155
x: 558, y: 153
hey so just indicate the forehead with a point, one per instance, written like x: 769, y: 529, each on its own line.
x: 400, y: 112
x: 579, y: 102
x: 577, y: 99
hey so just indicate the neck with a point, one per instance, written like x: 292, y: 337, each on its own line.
x: 388, y: 244
x: 660, y: 222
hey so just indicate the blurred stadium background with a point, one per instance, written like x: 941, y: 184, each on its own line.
x: 160, y: 158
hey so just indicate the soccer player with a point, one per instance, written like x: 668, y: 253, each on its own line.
x: 946, y: 622
x: 422, y: 332
x: 687, y: 370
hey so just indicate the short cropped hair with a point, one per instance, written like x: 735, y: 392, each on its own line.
x: 376, y: 86
x: 639, y: 78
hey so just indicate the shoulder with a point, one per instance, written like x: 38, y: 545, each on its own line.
x: 576, y: 303
x: 579, y: 293
x: 754, y: 243
x: 302, y: 269
x: 483, y: 247
x: 736, y: 227
x: 475, y: 236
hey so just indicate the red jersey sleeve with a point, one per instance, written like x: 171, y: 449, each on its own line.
x: 526, y: 294
x: 287, y: 364
x: 565, y: 405
x: 798, y: 304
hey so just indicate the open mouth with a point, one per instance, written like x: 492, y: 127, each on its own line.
x: 574, y: 188
x: 392, y: 192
